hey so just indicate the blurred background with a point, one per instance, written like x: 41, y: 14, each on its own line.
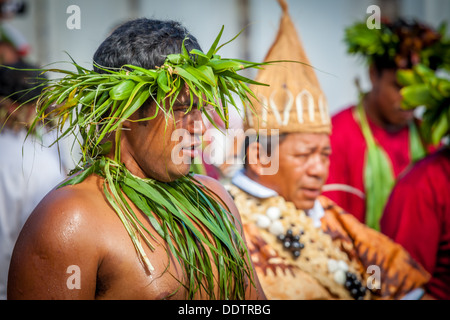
x: 51, y: 28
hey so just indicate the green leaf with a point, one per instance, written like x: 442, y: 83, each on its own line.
x: 151, y: 73
x: 174, y: 58
x: 407, y: 77
x: 212, y: 49
x: 416, y: 95
x: 241, y: 78
x: 198, y: 73
x: 163, y: 82
x: 199, y: 53
x: 423, y: 72
x: 443, y: 86
x: 123, y: 90
x: 440, y: 129
x: 222, y: 65
x: 208, y: 74
x: 78, y: 178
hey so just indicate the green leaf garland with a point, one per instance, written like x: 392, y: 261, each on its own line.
x: 174, y: 209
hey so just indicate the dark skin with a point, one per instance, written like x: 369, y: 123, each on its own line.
x: 75, y: 225
x: 383, y: 103
x: 303, y: 161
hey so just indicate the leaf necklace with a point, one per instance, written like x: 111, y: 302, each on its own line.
x: 173, y: 209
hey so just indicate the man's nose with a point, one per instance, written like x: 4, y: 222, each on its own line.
x: 195, y: 123
x: 317, y: 167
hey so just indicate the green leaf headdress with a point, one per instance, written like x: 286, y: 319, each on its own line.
x: 400, y: 44
x: 419, y: 53
x: 95, y: 104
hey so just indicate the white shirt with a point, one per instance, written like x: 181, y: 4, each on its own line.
x: 28, y: 171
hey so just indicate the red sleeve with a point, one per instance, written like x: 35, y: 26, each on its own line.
x: 410, y: 218
x: 346, y: 164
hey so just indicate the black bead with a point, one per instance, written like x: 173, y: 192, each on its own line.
x: 295, y: 245
x: 348, y: 284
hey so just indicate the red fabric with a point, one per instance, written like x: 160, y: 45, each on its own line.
x: 347, y: 159
x: 417, y: 216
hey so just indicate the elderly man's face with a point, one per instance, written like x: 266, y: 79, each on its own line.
x: 304, y: 160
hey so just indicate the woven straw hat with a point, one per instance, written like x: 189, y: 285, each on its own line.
x: 294, y: 101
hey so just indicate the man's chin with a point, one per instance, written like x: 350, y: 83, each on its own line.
x: 171, y: 174
x: 305, y: 204
x: 404, y: 117
x: 179, y: 171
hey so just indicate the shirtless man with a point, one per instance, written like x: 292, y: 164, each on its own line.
x: 76, y: 226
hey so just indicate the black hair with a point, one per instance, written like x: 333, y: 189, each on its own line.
x: 383, y: 63
x: 412, y: 37
x: 144, y: 43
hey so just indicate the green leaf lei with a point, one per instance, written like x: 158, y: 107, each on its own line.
x: 95, y: 104
x: 172, y: 209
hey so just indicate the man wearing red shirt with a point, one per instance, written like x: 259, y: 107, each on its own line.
x: 347, y: 167
x: 417, y: 216
x: 376, y: 140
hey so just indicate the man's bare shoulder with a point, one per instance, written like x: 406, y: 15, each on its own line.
x: 81, y: 201
x: 215, y: 186
x: 219, y: 192
x: 63, y: 230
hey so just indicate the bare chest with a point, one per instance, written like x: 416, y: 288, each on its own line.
x: 122, y: 275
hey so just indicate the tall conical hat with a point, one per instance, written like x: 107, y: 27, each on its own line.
x: 294, y: 101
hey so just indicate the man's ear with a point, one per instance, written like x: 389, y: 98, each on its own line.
x: 126, y: 124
